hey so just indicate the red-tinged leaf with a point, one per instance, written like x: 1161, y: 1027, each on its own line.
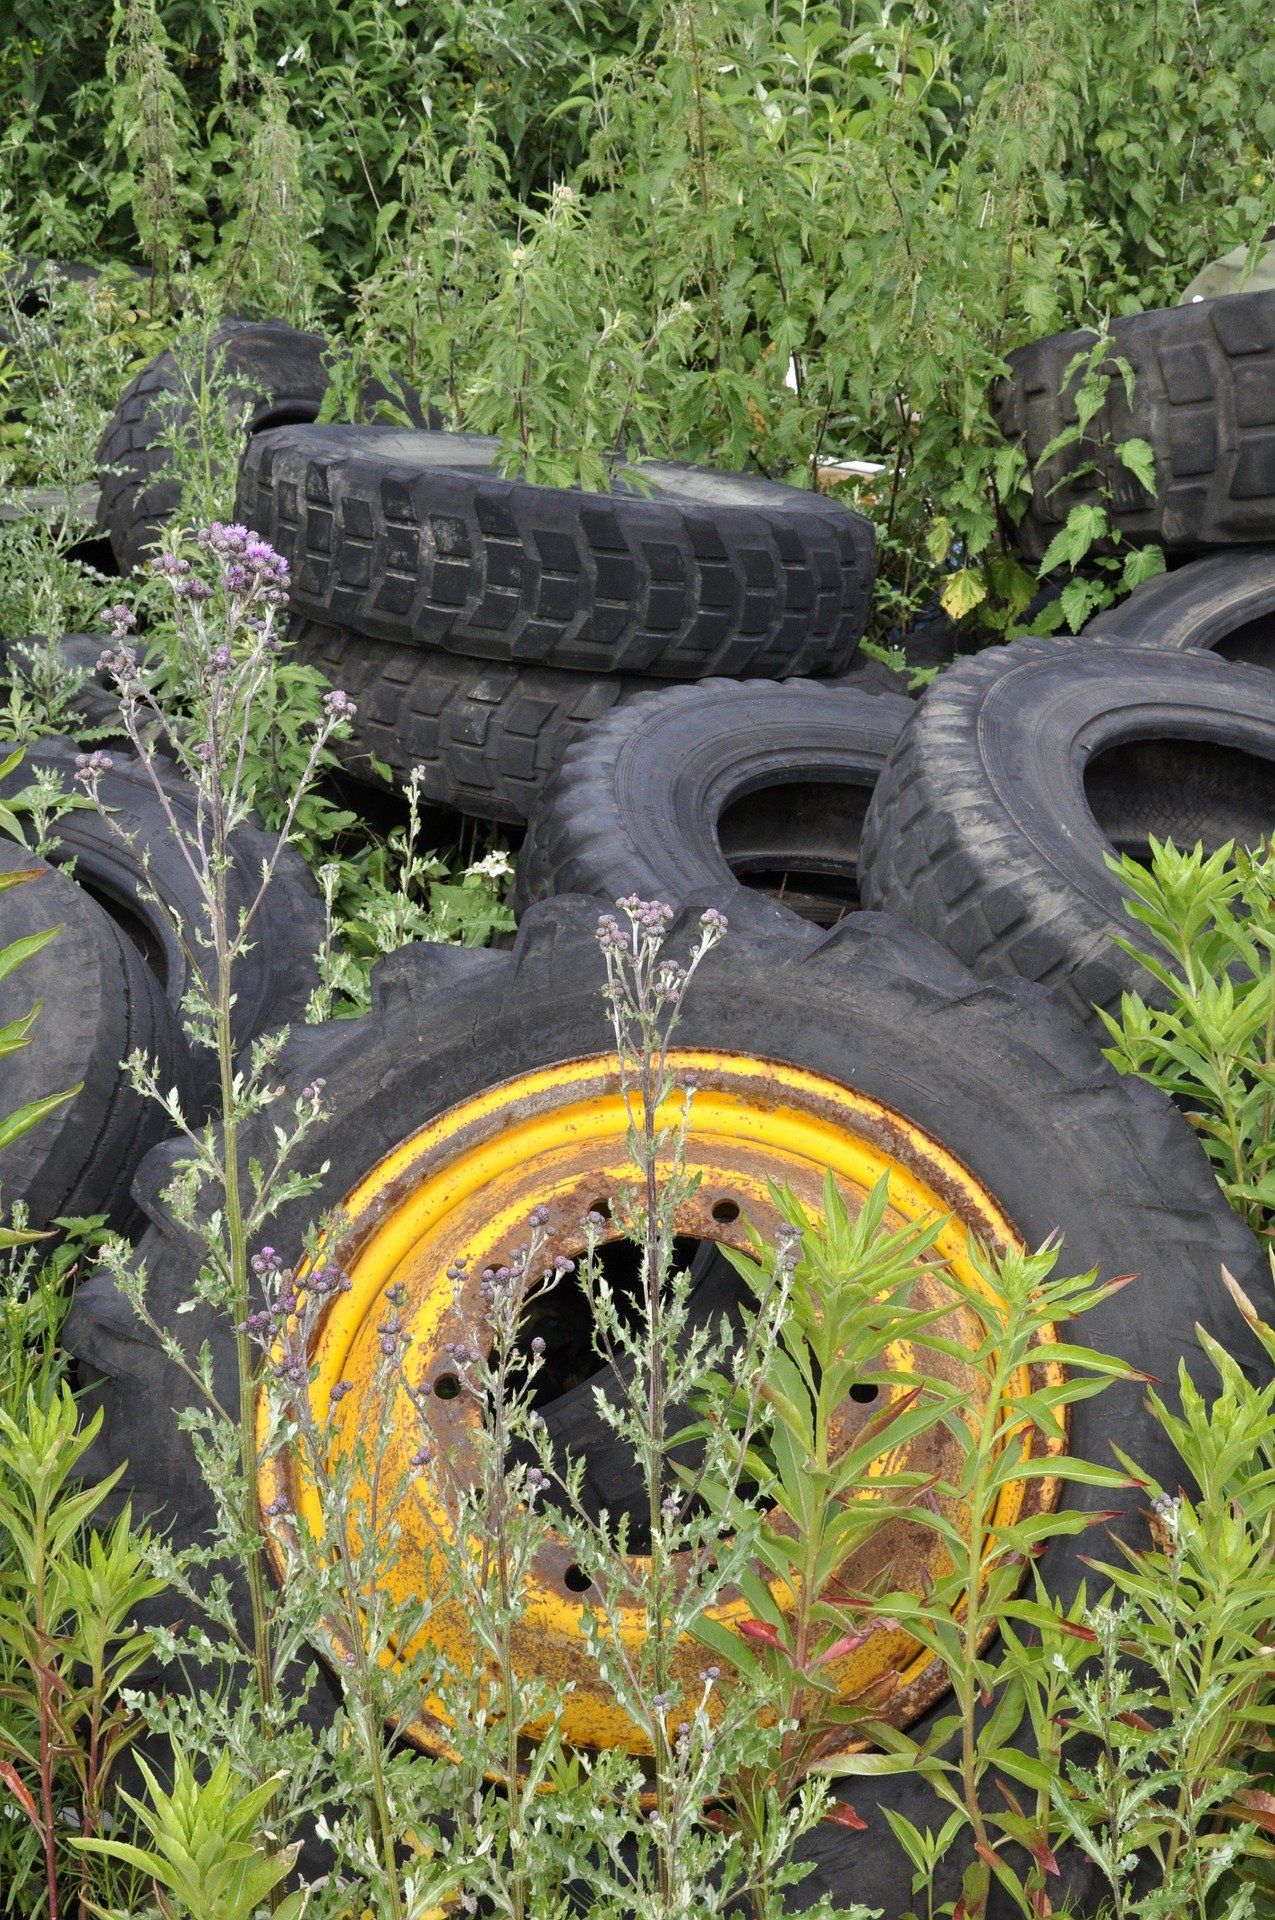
x: 986, y: 1855
x: 1251, y: 1804
x: 1138, y: 1720
x: 757, y: 1630
x: 1044, y: 1856
x: 848, y: 1643
x: 843, y: 1815
x: 1077, y: 1632
x: 13, y: 1779
x: 1013, y: 1802
x: 1042, y: 1905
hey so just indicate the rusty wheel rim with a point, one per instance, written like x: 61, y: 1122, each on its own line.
x: 463, y: 1186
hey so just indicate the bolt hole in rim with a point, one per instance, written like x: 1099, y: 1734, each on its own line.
x: 555, y: 1137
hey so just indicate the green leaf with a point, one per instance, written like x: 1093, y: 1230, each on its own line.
x: 963, y: 591
x: 1139, y: 457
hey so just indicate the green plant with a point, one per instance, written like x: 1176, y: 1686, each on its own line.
x: 1090, y: 536
x: 204, y: 1854
x: 1211, y: 1041
x: 226, y: 630
x: 852, y: 1285
x: 1014, y: 1313
x: 17, y: 1033
x: 68, y: 1645
x: 386, y: 895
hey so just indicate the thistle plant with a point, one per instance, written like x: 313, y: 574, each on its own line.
x: 226, y: 627
x: 694, y: 1546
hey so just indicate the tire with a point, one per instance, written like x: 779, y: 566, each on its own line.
x: 1203, y: 399
x: 98, y: 1004
x: 274, y: 374
x: 486, y: 735
x: 1021, y: 771
x: 750, y: 789
x: 1002, y: 1077
x: 1225, y: 603
x: 274, y: 978
x: 415, y: 538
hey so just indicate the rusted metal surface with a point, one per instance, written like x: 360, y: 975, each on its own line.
x: 466, y: 1184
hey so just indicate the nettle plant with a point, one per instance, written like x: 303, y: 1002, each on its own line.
x: 1089, y: 539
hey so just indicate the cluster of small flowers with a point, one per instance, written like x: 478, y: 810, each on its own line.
x: 267, y: 1324
x: 251, y: 569
x: 89, y: 767
x: 183, y: 581
x: 393, y: 1338
x: 670, y: 982
x: 338, y: 706
x: 497, y: 1284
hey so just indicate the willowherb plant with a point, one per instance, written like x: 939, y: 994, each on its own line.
x: 1013, y: 1307
x: 1211, y: 1042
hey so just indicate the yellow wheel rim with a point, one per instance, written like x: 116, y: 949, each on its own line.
x: 462, y: 1188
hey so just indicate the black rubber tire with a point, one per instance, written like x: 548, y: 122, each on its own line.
x: 486, y: 735
x: 100, y: 1003
x: 985, y: 827
x: 274, y: 373
x: 414, y: 537
x: 1225, y: 603
x: 655, y: 798
x: 1204, y: 400
x: 1003, y: 1076
x: 276, y: 975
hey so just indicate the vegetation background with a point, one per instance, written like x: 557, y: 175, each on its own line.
x: 757, y: 236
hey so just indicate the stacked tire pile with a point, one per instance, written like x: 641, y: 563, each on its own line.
x: 526, y: 646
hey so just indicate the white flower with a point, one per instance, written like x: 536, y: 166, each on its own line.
x: 494, y: 866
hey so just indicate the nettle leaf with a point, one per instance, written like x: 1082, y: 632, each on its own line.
x: 964, y: 591
x: 1138, y: 456
x: 1078, y: 600
x: 1086, y: 527
x: 1141, y: 563
x: 938, y: 541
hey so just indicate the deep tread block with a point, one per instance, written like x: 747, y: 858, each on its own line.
x: 486, y: 735
x: 1204, y: 399
x: 630, y: 584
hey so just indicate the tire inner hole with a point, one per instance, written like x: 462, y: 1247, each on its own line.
x: 1253, y: 643
x: 1187, y: 791
x: 798, y: 842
